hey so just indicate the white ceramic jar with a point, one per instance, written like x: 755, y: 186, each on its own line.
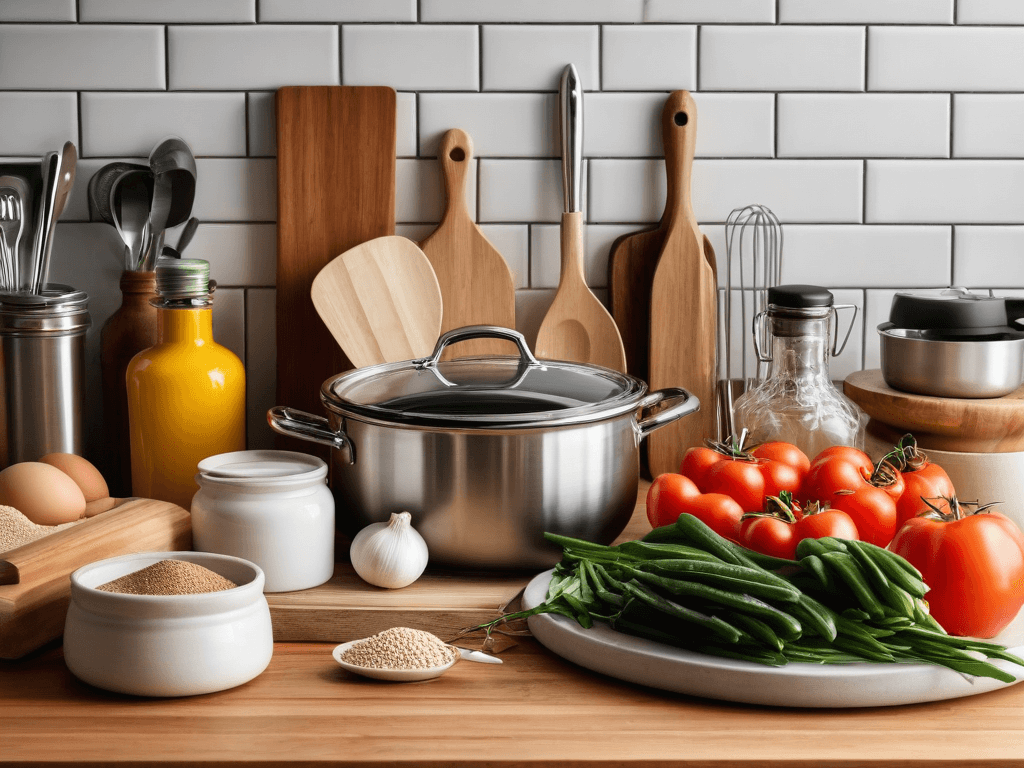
x: 167, y: 645
x: 272, y: 508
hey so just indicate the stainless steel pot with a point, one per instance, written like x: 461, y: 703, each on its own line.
x: 970, y: 366
x: 487, y: 453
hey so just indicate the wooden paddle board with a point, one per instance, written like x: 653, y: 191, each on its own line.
x: 683, y: 299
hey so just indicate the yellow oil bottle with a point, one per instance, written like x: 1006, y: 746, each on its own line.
x: 186, y: 394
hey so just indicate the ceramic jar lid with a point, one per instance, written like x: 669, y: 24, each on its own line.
x: 263, y: 468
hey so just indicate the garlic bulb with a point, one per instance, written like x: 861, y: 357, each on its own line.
x: 391, y: 554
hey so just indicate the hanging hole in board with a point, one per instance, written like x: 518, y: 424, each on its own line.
x: 681, y: 118
x: 458, y: 154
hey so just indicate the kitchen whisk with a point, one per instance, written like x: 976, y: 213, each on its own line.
x: 753, y: 243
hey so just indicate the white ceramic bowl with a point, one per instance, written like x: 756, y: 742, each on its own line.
x: 168, y: 645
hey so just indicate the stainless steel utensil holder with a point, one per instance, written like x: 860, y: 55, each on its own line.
x: 42, y: 372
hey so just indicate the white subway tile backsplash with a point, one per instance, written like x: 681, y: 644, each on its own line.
x: 546, y: 248
x: 867, y: 12
x: 235, y: 190
x: 260, y: 364
x: 37, y: 10
x: 988, y: 257
x: 945, y: 191
x: 229, y: 319
x: 406, y: 137
x: 988, y: 125
x: 531, y: 306
x: 797, y: 58
x: 521, y: 190
x: 735, y: 124
x: 261, y: 121
x: 81, y: 57
x: 337, y: 10
x: 411, y: 57
x: 513, y: 243
x: 35, y: 123
x: 623, y: 124
x: 133, y: 123
x: 500, y: 124
x: 646, y: 58
x: 163, y: 12
x: 796, y: 190
x: 532, y: 58
x: 821, y: 254
x: 989, y: 12
x: 945, y: 59
x: 239, y: 254
x: 246, y: 57
x: 568, y: 11
x: 863, y: 125
x: 710, y: 11
x: 419, y: 191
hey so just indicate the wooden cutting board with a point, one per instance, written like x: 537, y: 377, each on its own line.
x: 34, y: 584
x: 442, y: 601
x: 683, y: 299
x: 476, y: 284
x: 961, y: 425
x: 335, y: 190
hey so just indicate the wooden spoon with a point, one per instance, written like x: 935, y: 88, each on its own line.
x: 577, y: 327
x: 381, y: 301
x: 476, y: 284
x: 683, y: 299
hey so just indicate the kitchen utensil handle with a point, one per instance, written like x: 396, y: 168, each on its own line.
x: 570, y: 111
x: 456, y: 335
x: 306, y: 426
x: 837, y: 350
x: 679, y: 136
x: 43, y: 239
x: 663, y: 407
x: 454, y: 153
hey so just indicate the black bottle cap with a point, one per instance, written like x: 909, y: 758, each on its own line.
x: 800, y: 296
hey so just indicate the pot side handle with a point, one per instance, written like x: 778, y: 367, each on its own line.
x: 663, y: 407
x: 306, y: 426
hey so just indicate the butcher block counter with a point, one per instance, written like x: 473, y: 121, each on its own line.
x: 534, y: 710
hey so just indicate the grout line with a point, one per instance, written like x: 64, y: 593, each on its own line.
x: 864, y: 193
x: 167, y: 58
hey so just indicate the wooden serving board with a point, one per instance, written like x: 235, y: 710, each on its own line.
x: 34, y: 584
x: 335, y: 190
x: 442, y: 601
x: 994, y: 425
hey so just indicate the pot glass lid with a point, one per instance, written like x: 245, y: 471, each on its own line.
x: 481, y: 392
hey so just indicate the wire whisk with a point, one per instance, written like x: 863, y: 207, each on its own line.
x: 753, y: 244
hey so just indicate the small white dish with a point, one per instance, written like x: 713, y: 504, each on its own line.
x: 409, y: 675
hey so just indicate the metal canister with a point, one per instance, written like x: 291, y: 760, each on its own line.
x: 42, y: 372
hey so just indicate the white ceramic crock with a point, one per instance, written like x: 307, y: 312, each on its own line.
x: 167, y: 645
x: 272, y: 508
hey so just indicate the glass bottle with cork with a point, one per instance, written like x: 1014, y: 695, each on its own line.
x: 797, y: 401
x: 186, y: 394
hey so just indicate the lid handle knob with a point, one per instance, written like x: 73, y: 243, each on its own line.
x: 469, y: 332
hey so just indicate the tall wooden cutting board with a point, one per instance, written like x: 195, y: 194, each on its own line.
x: 476, y: 283
x: 335, y: 190
x: 683, y: 299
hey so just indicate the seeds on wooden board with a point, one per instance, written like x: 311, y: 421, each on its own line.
x: 169, y: 577
x: 17, y: 530
x: 400, y: 648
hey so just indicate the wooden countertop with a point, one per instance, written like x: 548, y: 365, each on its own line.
x: 535, y: 709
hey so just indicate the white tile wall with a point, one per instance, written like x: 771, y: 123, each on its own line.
x: 885, y: 134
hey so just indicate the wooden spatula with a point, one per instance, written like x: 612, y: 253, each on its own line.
x: 683, y: 299
x: 381, y: 301
x: 476, y: 284
x: 577, y: 327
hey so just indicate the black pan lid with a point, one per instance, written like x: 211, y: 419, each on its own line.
x: 955, y: 309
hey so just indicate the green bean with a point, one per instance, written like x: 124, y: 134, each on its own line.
x: 814, y: 616
x: 601, y: 589
x: 808, y: 548
x: 902, y: 563
x: 845, y: 567
x: 757, y: 629
x: 697, y: 533
x: 714, y: 624
x: 816, y: 566
x: 758, y: 589
x: 869, y: 567
x: 899, y: 576
x: 761, y: 656
x: 653, y: 551
x: 725, y: 570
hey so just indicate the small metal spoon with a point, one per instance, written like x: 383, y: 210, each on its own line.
x: 410, y: 675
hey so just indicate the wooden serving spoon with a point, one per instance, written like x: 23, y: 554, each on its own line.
x: 380, y: 301
x: 577, y: 327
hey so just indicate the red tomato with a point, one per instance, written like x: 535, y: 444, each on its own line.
x: 671, y: 495
x: 787, y: 453
x: 974, y: 565
x: 830, y: 522
x: 739, y: 479
x: 779, y: 477
x: 922, y: 480
x: 842, y: 478
x: 783, y: 525
x: 768, y: 535
x: 697, y: 462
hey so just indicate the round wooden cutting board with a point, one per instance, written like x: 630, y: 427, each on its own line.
x: 994, y: 425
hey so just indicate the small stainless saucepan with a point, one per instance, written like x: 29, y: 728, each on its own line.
x: 487, y: 453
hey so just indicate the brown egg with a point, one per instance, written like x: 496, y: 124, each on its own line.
x: 82, y: 472
x: 42, y: 493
